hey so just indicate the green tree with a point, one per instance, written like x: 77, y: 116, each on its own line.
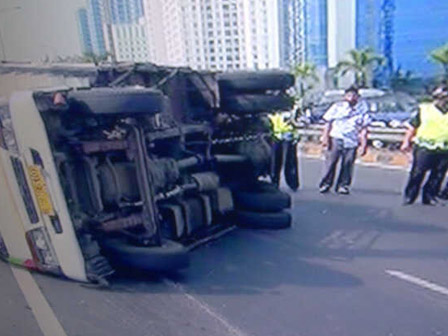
x: 400, y: 79
x: 360, y: 63
x: 85, y: 58
x: 440, y: 56
x: 93, y: 58
x: 305, y: 77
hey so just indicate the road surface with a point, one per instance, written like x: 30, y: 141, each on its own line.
x: 351, y: 265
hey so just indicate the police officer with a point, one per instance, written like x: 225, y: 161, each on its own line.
x: 284, y: 146
x: 428, y: 129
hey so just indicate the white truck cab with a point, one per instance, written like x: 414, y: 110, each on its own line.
x: 36, y: 230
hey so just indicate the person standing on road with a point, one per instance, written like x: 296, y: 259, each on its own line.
x: 345, y: 130
x: 428, y: 129
x: 284, y: 151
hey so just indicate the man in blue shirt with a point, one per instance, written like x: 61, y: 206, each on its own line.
x: 345, y: 131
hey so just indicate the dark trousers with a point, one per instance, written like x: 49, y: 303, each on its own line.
x: 444, y: 193
x: 424, y: 161
x: 333, y: 155
x: 285, y: 156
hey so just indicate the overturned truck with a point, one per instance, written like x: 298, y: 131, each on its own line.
x: 135, y: 170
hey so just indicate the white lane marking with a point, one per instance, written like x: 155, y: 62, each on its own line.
x: 204, y: 307
x: 47, y: 321
x: 419, y: 282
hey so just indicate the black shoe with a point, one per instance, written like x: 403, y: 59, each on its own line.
x: 429, y: 200
x: 408, y: 201
x: 324, y: 189
x: 343, y: 190
x: 443, y: 195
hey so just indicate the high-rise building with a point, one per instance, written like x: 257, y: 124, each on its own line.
x: 84, y: 31
x: 260, y: 19
x: 216, y: 34
x: 115, y: 27
x: 303, y: 32
x: 125, y: 30
x: 292, y: 32
x: 368, y: 24
x: 155, y: 31
x: 219, y: 43
x: 316, y: 28
x: 341, y: 29
x: 130, y: 42
x: 125, y: 11
x: 95, y: 16
x: 174, y: 28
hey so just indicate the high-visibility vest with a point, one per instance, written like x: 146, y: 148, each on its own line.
x: 433, y: 130
x: 279, y: 126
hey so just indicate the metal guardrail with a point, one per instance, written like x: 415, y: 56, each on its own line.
x: 313, y: 132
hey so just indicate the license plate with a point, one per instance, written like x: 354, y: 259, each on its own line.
x: 40, y: 190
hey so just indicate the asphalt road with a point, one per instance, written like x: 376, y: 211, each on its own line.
x: 351, y: 265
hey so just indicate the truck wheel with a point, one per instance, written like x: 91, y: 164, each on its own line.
x: 260, y: 186
x: 256, y: 103
x: 268, y: 201
x: 119, y: 101
x: 170, y: 256
x: 259, y: 81
x: 255, y: 220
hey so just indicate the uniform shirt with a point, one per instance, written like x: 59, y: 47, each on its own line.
x: 347, y: 121
x: 281, y: 128
x: 415, y: 122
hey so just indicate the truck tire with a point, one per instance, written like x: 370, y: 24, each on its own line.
x: 171, y: 256
x: 256, y: 220
x: 256, y: 103
x: 118, y: 101
x: 268, y: 201
x: 260, y: 186
x: 259, y: 81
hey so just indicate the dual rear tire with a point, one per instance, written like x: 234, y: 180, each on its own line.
x: 262, y: 207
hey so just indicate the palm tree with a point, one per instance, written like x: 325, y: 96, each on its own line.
x: 305, y: 76
x: 440, y: 55
x: 361, y: 62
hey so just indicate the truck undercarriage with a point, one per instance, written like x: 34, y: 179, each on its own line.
x: 154, y: 161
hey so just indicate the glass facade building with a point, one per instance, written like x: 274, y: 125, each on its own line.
x: 420, y: 27
x: 292, y: 30
x: 84, y: 32
x: 368, y: 24
x: 316, y: 32
x: 126, y: 11
x: 96, y: 19
x: 303, y: 32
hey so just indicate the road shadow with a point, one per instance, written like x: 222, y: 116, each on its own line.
x: 244, y: 263
x: 326, y: 228
x: 334, y: 227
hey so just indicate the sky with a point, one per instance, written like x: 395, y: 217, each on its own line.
x: 39, y: 28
